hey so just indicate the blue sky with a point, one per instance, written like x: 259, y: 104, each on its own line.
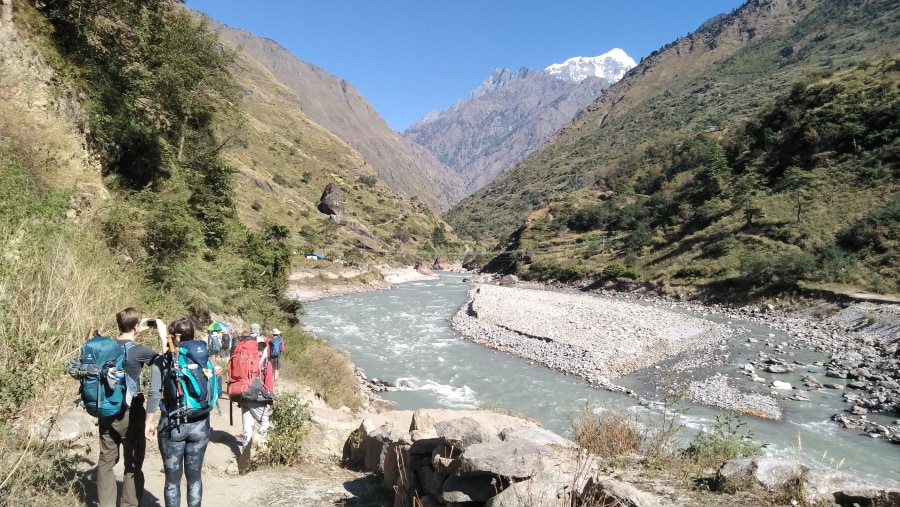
x: 407, y: 57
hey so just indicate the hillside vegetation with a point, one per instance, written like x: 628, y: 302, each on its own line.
x: 759, y: 150
x: 148, y: 164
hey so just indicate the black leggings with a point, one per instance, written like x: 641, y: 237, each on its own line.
x: 183, y: 447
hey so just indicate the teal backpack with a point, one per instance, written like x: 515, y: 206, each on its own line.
x: 191, y: 386
x: 102, y: 393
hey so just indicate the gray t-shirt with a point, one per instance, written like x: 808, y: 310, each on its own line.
x: 136, y: 357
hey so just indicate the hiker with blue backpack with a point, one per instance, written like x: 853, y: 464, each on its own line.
x: 184, y: 386
x: 110, y: 372
x: 276, y: 348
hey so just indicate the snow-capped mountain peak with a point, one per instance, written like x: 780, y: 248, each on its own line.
x: 611, y: 66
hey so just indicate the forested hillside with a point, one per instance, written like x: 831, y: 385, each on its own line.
x: 766, y: 160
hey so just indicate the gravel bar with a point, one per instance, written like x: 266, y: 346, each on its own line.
x: 595, y: 337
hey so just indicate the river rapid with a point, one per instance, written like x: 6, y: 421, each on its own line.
x: 403, y: 336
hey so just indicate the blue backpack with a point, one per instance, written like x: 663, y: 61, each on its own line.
x: 191, y: 386
x: 276, y: 345
x: 101, y: 394
x: 215, y: 343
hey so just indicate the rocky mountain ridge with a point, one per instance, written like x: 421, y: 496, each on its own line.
x: 509, y: 115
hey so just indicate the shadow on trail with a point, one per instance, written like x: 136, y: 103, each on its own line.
x: 87, y: 491
x: 227, y: 439
x: 366, y: 490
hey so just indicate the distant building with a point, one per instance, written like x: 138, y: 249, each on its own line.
x: 316, y: 256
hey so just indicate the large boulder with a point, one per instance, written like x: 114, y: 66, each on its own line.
x: 768, y: 473
x: 517, y: 459
x: 469, y: 259
x: 463, y: 432
x: 332, y: 200
x: 613, y: 492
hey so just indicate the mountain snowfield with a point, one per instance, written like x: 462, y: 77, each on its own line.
x: 611, y: 66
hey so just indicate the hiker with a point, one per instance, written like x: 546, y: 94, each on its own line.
x: 276, y: 349
x: 257, y: 411
x: 214, y: 342
x: 182, y: 440
x: 126, y: 428
x: 227, y: 343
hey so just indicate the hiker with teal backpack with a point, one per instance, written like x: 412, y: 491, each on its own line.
x: 110, y: 374
x: 184, y: 386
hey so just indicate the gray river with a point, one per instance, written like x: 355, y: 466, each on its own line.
x: 403, y: 336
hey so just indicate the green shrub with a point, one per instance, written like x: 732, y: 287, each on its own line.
x: 690, y: 271
x: 613, y: 270
x: 291, y: 422
x: 631, y: 274
x: 368, y: 181
x: 726, y: 440
x: 783, y: 269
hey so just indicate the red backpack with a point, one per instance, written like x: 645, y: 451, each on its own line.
x: 247, y: 381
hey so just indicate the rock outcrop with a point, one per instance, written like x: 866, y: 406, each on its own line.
x: 332, y: 200
x: 462, y: 461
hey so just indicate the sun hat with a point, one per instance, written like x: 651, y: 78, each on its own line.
x: 276, y: 331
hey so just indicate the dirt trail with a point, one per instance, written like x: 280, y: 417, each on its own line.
x: 318, y: 481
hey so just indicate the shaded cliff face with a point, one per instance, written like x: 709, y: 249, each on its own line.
x: 505, y: 119
x: 405, y: 167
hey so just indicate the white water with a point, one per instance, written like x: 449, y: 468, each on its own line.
x: 403, y: 336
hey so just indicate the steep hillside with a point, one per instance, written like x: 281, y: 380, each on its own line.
x: 745, y: 156
x: 285, y: 160
x: 710, y: 80
x: 510, y: 115
x: 405, y: 167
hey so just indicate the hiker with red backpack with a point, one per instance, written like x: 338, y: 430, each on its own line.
x: 184, y: 386
x: 251, y: 384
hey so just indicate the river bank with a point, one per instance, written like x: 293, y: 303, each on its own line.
x: 319, y: 283
x: 600, y: 336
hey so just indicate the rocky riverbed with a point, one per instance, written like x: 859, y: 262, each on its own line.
x: 603, y: 336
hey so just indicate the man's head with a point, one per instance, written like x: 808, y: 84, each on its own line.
x: 254, y: 329
x: 128, y: 319
x: 260, y: 342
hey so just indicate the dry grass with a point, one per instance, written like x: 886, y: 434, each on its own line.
x: 328, y: 371
x: 609, y: 434
x: 55, y: 288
